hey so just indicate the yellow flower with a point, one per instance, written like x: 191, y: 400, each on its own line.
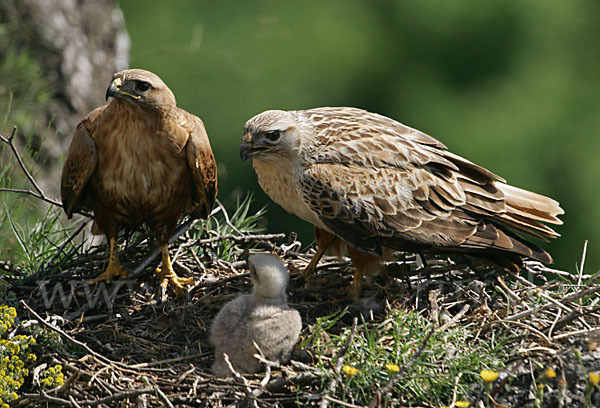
x: 392, y: 368
x: 488, y: 375
x: 349, y: 370
x: 462, y: 404
x: 550, y: 373
x: 594, y: 378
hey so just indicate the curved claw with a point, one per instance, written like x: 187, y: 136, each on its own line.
x: 167, y: 275
x: 176, y: 282
x: 113, y: 270
x: 114, y: 267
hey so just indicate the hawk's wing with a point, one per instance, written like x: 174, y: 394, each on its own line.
x: 375, y: 184
x: 79, y: 165
x: 202, y: 164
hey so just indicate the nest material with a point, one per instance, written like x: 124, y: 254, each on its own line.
x: 146, y: 349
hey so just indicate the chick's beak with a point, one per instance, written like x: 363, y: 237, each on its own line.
x: 114, y: 89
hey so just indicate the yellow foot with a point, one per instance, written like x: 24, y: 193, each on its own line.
x: 170, y: 277
x: 308, y: 271
x: 312, y: 265
x: 110, y: 272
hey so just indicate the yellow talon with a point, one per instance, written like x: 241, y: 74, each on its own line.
x: 114, y: 267
x: 166, y: 275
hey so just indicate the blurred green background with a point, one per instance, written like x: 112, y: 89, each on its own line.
x: 511, y: 85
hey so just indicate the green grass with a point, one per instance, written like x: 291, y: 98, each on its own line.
x: 40, y: 241
x: 431, y: 379
x: 241, y: 219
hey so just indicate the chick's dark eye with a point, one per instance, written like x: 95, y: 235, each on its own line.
x: 273, y: 135
x: 142, y: 86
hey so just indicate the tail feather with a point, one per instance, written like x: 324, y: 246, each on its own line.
x: 490, y: 236
x: 531, y: 205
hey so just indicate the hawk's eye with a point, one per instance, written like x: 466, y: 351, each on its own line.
x: 142, y: 86
x: 273, y: 135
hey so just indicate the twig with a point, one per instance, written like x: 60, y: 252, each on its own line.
x: 58, y: 252
x: 342, y: 403
x: 577, y: 332
x: 581, y: 265
x: 339, y: 361
x: 98, y: 356
x: 569, y: 298
x: 9, y: 141
x: 239, y: 377
x: 38, y: 193
x: 455, y: 319
x: 226, y: 216
x: 32, y: 193
x: 260, y: 356
x: 238, y: 238
x: 435, y: 307
x: 455, y: 389
x: 377, y: 397
x: 167, y: 361
x: 117, y: 396
x: 558, y: 324
x: 526, y: 326
x: 182, y: 228
x: 74, y: 402
x: 163, y: 397
x: 27, y: 398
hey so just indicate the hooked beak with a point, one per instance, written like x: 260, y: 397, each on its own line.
x: 250, y: 146
x: 246, y: 147
x: 115, y: 89
x: 245, y: 151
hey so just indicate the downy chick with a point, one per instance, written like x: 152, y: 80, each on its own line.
x: 262, y: 316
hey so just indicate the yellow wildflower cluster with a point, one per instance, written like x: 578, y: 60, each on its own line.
x: 550, y: 373
x: 489, y: 376
x: 594, y: 378
x: 349, y: 370
x: 7, y: 319
x: 14, y: 355
x: 52, y: 377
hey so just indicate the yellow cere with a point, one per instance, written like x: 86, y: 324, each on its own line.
x: 488, y: 375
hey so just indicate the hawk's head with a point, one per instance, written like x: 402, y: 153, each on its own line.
x: 140, y: 87
x: 272, y: 135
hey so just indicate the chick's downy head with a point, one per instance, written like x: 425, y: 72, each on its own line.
x: 269, y: 275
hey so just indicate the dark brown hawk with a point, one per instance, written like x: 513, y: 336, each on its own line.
x: 140, y: 159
